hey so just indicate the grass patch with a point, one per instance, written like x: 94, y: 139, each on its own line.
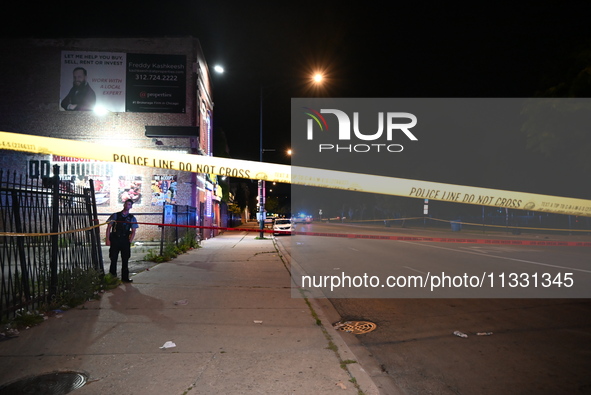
x: 347, y: 362
x: 172, y: 250
x: 26, y: 319
x: 332, y: 346
x: 77, y: 286
x: 314, y: 315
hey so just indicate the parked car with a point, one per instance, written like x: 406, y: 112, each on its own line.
x: 283, y: 226
x: 268, y: 222
x: 301, y: 219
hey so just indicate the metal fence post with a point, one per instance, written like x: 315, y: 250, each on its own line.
x: 55, y: 221
x: 176, y: 222
x: 162, y: 228
x: 95, y: 234
x: 98, y: 229
x: 20, y: 242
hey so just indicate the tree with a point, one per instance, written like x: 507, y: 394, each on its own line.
x: 559, y: 129
x: 571, y: 78
x: 272, y: 204
x: 556, y: 125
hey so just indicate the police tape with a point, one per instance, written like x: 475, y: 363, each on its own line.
x: 296, y: 175
x: 520, y: 228
x: 21, y: 234
x: 218, y: 228
x: 492, y: 241
x: 471, y: 224
x: 451, y: 239
x: 388, y: 237
x: 505, y: 242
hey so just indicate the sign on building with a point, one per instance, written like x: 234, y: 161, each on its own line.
x: 122, y: 82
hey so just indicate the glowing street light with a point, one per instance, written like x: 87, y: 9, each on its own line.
x: 317, y: 81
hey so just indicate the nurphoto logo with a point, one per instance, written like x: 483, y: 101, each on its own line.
x: 389, y: 122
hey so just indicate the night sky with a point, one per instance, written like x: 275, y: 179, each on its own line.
x: 395, y: 49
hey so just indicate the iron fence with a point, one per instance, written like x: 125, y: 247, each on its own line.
x: 49, y: 237
x: 186, y: 217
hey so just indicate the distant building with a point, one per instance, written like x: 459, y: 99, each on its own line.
x: 155, y: 94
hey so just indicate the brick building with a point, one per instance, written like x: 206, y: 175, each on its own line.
x: 155, y: 93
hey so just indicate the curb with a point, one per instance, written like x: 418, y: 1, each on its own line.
x: 367, y: 371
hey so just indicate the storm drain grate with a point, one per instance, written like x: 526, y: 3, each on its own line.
x: 56, y: 383
x: 355, y: 327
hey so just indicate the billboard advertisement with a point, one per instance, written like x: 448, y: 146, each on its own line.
x: 90, y: 79
x: 121, y: 82
x: 156, y: 83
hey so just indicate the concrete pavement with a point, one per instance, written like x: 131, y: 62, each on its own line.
x: 227, y: 308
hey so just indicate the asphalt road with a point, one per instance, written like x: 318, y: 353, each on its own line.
x: 541, y: 335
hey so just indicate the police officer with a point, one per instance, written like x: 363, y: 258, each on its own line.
x: 120, y: 233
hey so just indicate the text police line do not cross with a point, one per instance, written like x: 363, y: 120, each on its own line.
x: 295, y: 175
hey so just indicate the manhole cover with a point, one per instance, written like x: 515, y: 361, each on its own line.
x: 355, y: 327
x: 56, y: 383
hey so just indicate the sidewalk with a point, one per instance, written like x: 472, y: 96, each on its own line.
x: 227, y: 307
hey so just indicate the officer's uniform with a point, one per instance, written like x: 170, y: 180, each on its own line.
x: 119, y: 237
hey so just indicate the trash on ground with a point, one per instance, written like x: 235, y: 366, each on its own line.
x: 168, y: 344
x: 460, y: 334
x: 258, y: 322
x: 181, y: 302
x: 343, y: 386
x: 9, y: 333
x: 484, y: 333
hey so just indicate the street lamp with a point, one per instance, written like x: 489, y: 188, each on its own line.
x: 318, y: 79
x: 261, y: 183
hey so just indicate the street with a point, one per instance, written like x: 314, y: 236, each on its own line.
x: 540, y: 344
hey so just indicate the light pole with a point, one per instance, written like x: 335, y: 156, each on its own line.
x: 261, y: 183
x: 318, y: 80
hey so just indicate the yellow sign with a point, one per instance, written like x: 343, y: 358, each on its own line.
x: 296, y: 175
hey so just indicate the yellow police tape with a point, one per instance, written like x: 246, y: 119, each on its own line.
x: 14, y: 234
x: 473, y: 224
x: 523, y: 228
x: 296, y: 175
